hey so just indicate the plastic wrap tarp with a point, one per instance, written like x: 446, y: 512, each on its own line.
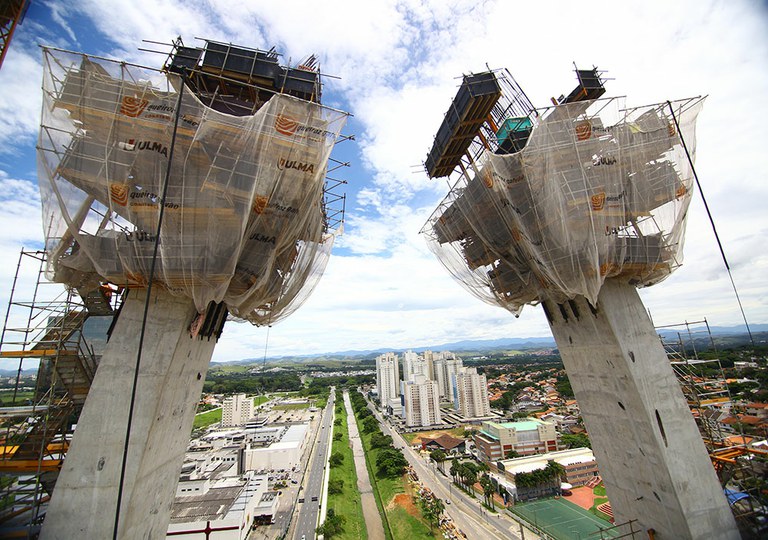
x: 244, y: 219
x: 598, y: 192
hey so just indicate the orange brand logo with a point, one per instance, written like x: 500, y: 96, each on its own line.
x: 260, y: 204
x: 118, y: 193
x: 286, y: 125
x: 608, y: 268
x: 671, y: 129
x: 584, y: 130
x: 682, y: 190
x: 487, y: 178
x: 598, y: 201
x: 132, y: 106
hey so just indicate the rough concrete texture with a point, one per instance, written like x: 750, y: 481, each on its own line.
x: 651, y: 456
x: 170, y: 380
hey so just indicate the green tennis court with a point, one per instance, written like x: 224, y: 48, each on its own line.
x: 563, y: 520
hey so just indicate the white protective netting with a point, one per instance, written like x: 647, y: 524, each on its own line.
x: 598, y: 192
x: 244, y: 218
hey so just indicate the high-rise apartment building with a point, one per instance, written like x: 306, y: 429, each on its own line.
x: 413, y: 365
x: 472, y: 394
x: 387, y: 378
x: 452, y: 368
x: 422, y: 402
x: 236, y: 410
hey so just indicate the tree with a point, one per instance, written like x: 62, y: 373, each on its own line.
x: 391, y: 463
x: 335, y: 486
x: 336, y: 459
x: 432, y: 508
x: 438, y: 456
x: 512, y: 454
x: 488, y: 490
x: 337, y: 436
x: 579, y: 440
x: 370, y: 424
x: 454, y: 470
x: 379, y: 440
x: 337, y: 422
x: 333, y: 526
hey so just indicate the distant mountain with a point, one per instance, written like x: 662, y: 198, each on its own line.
x: 12, y: 372
x: 479, y: 345
x: 487, y: 345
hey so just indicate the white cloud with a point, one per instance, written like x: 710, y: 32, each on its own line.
x: 400, y: 64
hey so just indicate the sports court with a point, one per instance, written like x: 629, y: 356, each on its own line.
x: 563, y: 520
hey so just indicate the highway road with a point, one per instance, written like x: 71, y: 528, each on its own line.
x: 312, y: 492
x: 467, y: 514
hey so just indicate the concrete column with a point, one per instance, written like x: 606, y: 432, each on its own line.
x: 170, y: 380
x: 648, y: 448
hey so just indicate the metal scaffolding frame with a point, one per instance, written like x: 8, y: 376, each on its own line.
x: 43, y: 327
x: 703, y: 383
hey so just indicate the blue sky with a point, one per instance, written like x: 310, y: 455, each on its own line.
x: 398, y: 64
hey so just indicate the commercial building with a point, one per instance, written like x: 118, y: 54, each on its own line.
x: 387, y: 378
x: 495, y: 440
x: 471, y: 394
x: 579, y: 464
x: 225, y: 509
x: 236, y: 410
x: 421, y: 402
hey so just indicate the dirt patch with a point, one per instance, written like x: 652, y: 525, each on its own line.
x: 582, y: 496
x: 405, y: 501
x: 433, y: 434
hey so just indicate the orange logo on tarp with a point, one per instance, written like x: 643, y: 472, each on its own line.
x: 608, y: 268
x: 487, y: 178
x: 118, y: 193
x: 671, y: 129
x: 682, y: 190
x: 132, y: 106
x: 598, y: 201
x: 285, y: 124
x: 584, y: 130
x: 260, y: 204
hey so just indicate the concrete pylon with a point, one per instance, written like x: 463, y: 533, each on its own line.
x: 651, y: 456
x: 170, y: 380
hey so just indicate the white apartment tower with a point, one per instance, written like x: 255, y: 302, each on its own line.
x: 387, y: 378
x: 472, y: 393
x: 413, y: 364
x: 422, y: 402
x: 429, y: 359
x: 236, y: 410
x: 452, y: 368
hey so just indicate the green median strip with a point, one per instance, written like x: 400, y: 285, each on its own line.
x: 343, y: 496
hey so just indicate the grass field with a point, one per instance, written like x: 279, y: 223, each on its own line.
x: 401, y: 515
x: 22, y: 397
x: 207, y: 418
x: 291, y: 406
x: 346, y: 503
x: 563, y: 520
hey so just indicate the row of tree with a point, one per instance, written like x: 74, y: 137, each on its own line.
x: 390, y: 461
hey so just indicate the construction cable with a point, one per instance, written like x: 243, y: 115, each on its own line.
x: 711, y: 221
x: 146, y: 308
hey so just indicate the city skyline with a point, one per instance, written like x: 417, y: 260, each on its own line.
x: 399, y: 65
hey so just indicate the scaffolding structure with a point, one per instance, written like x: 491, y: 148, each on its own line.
x: 573, y: 207
x: 43, y: 328
x: 11, y: 14
x: 739, y: 464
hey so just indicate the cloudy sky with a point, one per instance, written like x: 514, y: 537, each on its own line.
x: 398, y: 64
